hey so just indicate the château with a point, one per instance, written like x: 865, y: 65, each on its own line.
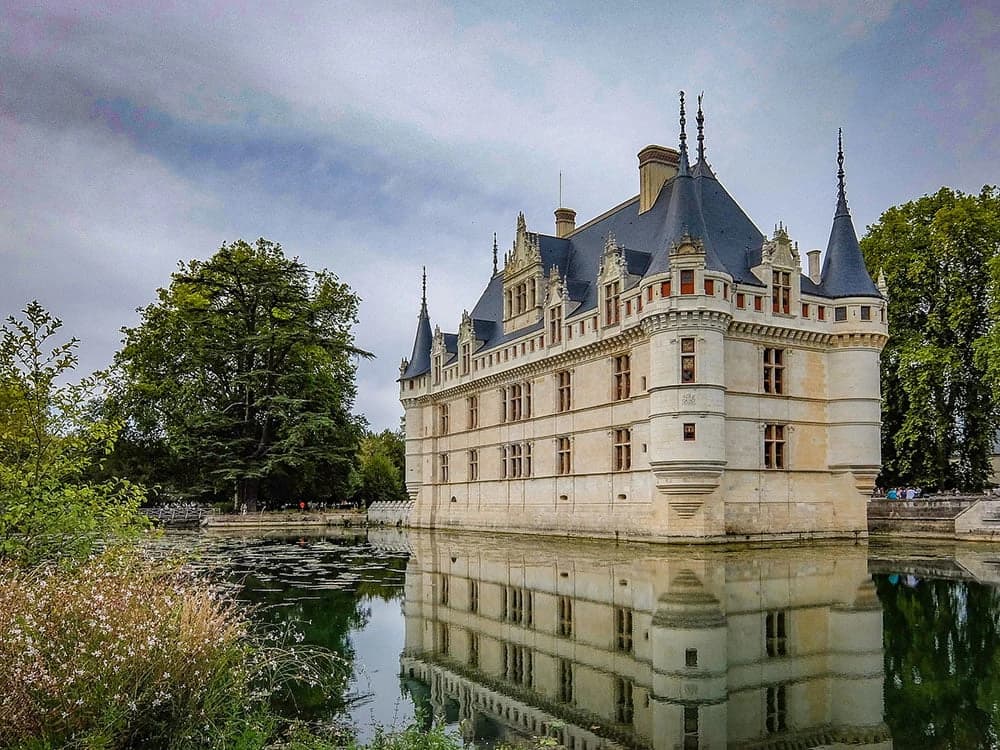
x: 664, y: 371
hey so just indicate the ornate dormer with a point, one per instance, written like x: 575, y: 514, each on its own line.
x: 781, y: 270
x: 467, y: 343
x: 611, y: 281
x: 523, y: 276
x: 438, y: 355
x: 556, y: 297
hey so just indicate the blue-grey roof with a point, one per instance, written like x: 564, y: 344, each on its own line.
x: 844, y: 272
x: 420, y: 359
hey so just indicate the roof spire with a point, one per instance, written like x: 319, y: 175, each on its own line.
x: 701, y: 130
x: 423, y: 295
x: 683, y: 166
x: 494, y: 253
x: 841, y: 190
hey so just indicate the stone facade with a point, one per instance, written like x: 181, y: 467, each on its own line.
x: 605, y: 646
x: 663, y: 372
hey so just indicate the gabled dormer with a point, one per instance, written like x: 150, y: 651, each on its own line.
x: 523, y: 275
x: 686, y: 257
x: 556, y: 299
x: 612, y: 278
x: 438, y: 356
x: 780, y: 271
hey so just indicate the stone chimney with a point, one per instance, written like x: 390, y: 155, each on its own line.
x: 814, y: 273
x: 657, y: 164
x: 565, y: 221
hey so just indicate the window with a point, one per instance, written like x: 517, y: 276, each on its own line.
x: 564, y: 455
x: 805, y: 310
x: 781, y: 292
x: 628, y: 307
x: 690, y: 728
x: 472, y: 404
x: 564, y: 390
x: 517, y: 664
x: 689, y: 430
x: 612, y: 303
x: 774, y: 370
x: 555, y: 324
x: 691, y: 657
x: 774, y: 446
x: 473, y: 465
x: 444, y: 590
x: 758, y: 303
x: 623, y: 629
x: 516, y: 461
x: 443, y: 419
x: 820, y: 312
x: 710, y: 287
x: 520, y: 298
x: 649, y: 294
x: 466, y: 358
x: 473, y: 649
x: 775, y: 637
x: 516, y: 402
x: 623, y: 378
x: 519, y: 606
x: 437, y: 369
x: 687, y: 282
x: 665, y: 289
x: 473, y: 596
x: 741, y: 300
x: 443, y: 463
x: 840, y: 313
x: 565, y: 681
x: 687, y: 360
x: 565, y: 616
x: 777, y: 707
x: 866, y: 312
x: 624, y: 710
x: 725, y: 291
x: 443, y: 638
x: 623, y: 450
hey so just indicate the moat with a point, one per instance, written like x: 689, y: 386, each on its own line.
x: 641, y: 646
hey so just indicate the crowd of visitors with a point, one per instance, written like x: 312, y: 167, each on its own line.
x: 903, y: 493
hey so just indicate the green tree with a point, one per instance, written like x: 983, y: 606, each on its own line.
x: 49, y: 442
x: 381, y: 466
x: 939, y: 255
x: 244, y: 369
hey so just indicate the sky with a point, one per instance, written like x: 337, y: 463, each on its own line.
x: 374, y: 138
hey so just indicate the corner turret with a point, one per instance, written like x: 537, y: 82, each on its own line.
x: 844, y: 273
x: 420, y: 359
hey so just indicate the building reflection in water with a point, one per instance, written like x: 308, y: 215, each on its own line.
x: 645, y: 647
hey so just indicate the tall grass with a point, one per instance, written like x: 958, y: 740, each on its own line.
x: 122, y: 653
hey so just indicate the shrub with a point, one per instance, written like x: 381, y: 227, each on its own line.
x: 119, y: 653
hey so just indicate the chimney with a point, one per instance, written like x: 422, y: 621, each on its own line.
x: 657, y: 164
x: 814, y: 275
x: 565, y: 221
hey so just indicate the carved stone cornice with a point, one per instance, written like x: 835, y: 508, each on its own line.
x: 680, y: 318
x: 771, y: 332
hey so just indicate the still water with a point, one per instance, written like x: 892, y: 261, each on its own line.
x: 636, y: 646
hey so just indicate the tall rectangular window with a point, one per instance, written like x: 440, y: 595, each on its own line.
x: 565, y: 681
x: 624, y: 710
x: 466, y: 358
x: 781, y: 292
x: 444, y: 590
x: 473, y: 649
x: 665, y: 289
x: 444, y: 640
x: 443, y: 465
x: 710, y: 287
x: 623, y: 449
x: 623, y: 377
x: 555, y: 324
x: 565, y: 616
x: 687, y: 282
x: 472, y: 404
x: 690, y: 728
x: 774, y: 446
x: 612, y: 303
x: 777, y: 709
x: 758, y: 303
x: 774, y: 370
x: 473, y: 465
x: 775, y: 633
x: 473, y: 596
x: 805, y: 310
x: 564, y: 390
x: 564, y: 455
x: 517, y: 664
x: 687, y: 360
x: 623, y: 629
x: 514, y: 402
x: 443, y: 419
x: 820, y: 312
x: 741, y: 300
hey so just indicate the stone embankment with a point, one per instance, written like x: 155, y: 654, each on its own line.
x: 972, y: 517
x: 390, y: 513
x: 291, y: 519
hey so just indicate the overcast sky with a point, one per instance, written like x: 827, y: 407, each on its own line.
x: 373, y: 138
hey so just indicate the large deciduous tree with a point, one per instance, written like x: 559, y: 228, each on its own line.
x: 244, y: 369
x: 941, y: 259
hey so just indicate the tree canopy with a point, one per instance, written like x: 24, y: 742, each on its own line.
x: 49, y: 443
x: 941, y: 368
x: 242, y: 374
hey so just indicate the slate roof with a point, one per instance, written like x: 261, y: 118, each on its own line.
x: 692, y: 203
x: 420, y: 359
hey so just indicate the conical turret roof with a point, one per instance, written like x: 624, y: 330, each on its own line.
x: 420, y: 359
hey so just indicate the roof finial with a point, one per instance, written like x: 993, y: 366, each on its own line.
x: 683, y: 166
x: 494, y: 253
x: 423, y: 296
x: 841, y: 190
x: 701, y: 130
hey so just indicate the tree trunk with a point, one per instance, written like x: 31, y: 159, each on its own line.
x: 246, y: 494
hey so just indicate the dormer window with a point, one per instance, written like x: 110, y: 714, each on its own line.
x: 437, y: 369
x: 466, y: 358
x: 555, y: 324
x: 687, y: 281
x: 612, y: 303
x: 781, y: 292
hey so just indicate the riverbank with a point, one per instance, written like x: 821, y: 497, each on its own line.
x: 285, y: 519
x: 960, y: 517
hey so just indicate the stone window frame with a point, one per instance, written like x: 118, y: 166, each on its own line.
x: 472, y: 411
x: 443, y: 468
x: 773, y: 382
x: 473, y: 464
x: 621, y: 365
x: 564, y: 391
x: 781, y: 292
x: 564, y: 455
x: 775, y: 444
x: 612, y: 292
x: 688, y: 360
x: 621, y: 438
